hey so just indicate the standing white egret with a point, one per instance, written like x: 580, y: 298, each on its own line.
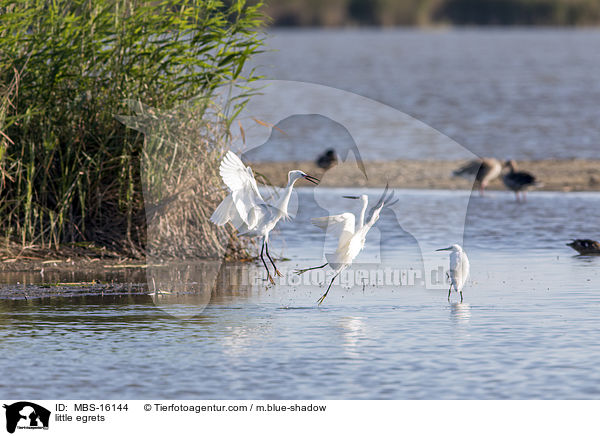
x: 459, y: 269
x: 351, y: 239
x: 245, y: 207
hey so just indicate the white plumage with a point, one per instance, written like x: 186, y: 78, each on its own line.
x: 351, y: 239
x: 245, y: 207
x: 459, y: 269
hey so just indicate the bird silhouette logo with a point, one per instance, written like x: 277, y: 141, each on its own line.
x: 26, y: 415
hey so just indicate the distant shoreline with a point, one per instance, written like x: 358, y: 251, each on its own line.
x: 295, y: 13
x: 556, y: 175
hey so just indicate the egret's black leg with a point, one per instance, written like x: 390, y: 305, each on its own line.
x: 272, y: 263
x: 302, y: 271
x: 265, y: 264
x: 461, y: 296
x: 449, y: 291
x: 328, y: 288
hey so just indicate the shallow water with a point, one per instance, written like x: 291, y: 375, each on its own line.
x: 511, y: 93
x: 528, y: 327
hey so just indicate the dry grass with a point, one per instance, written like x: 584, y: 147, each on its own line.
x: 180, y: 161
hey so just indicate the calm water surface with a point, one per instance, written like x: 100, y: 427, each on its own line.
x: 529, y: 326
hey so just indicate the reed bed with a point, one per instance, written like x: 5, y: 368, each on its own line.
x: 180, y: 160
x: 70, y: 172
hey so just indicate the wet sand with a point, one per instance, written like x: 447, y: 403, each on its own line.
x: 556, y: 175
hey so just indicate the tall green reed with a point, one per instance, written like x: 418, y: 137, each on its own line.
x: 69, y: 171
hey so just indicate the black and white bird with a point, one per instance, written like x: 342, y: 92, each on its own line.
x: 518, y: 181
x: 585, y: 246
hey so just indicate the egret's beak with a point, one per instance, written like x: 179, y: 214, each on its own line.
x: 445, y: 249
x: 353, y: 197
x: 311, y: 179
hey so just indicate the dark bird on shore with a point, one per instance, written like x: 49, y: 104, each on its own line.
x: 585, y: 246
x: 484, y: 170
x: 327, y: 159
x: 519, y: 181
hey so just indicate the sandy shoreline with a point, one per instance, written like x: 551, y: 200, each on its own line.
x: 556, y: 175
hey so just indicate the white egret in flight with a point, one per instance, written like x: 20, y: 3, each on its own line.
x: 245, y: 207
x: 459, y: 269
x: 351, y: 239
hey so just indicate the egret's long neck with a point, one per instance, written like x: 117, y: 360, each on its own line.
x: 361, y: 220
x: 282, y: 204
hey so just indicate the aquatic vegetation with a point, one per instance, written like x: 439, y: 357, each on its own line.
x: 70, y: 171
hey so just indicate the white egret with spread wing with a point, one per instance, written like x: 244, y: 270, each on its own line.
x: 459, y: 269
x: 245, y: 207
x: 351, y: 239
